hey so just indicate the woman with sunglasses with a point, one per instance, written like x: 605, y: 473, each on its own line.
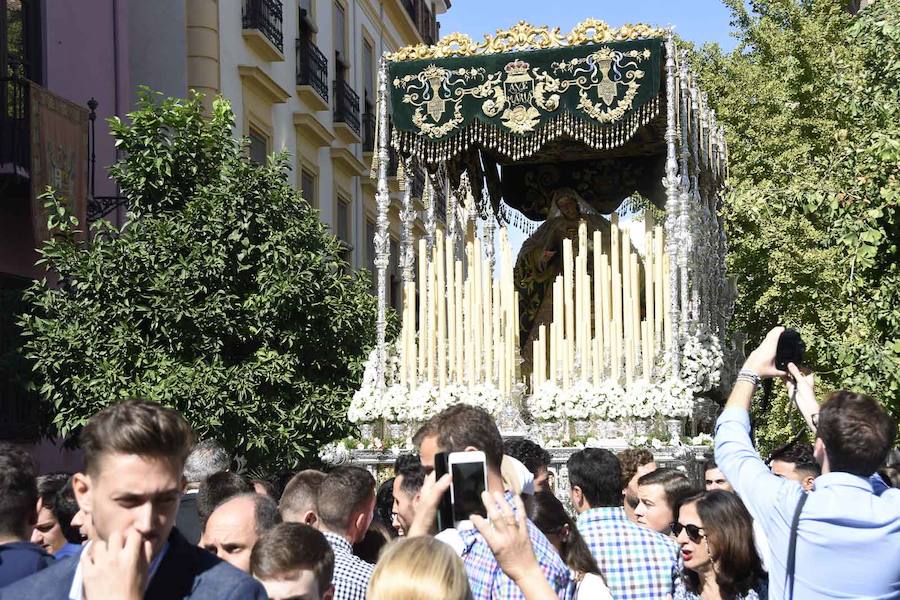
x: 715, y: 533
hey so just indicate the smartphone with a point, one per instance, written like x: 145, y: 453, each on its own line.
x: 469, y: 481
x: 444, y: 517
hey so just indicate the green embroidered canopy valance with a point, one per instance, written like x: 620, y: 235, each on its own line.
x: 514, y: 102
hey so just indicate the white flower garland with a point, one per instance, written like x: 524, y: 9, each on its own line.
x: 701, y: 361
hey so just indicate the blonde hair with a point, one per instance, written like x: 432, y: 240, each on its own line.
x: 420, y: 568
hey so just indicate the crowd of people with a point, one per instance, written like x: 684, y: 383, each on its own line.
x: 154, y: 514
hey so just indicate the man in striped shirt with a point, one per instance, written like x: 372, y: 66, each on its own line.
x: 638, y: 563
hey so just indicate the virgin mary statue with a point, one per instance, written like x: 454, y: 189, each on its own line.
x: 541, y: 259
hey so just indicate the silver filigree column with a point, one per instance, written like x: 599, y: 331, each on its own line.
x: 684, y: 224
x: 382, y: 240
x: 430, y: 220
x: 672, y: 208
x: 407, y: 216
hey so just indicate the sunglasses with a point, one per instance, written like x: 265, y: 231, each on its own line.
x: 694, y: 533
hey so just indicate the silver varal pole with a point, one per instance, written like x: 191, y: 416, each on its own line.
x: 382, y: 241
x: 671, y: 183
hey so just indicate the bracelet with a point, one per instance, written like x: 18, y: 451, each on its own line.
x: 749, y: 376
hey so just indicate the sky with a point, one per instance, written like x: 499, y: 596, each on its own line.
x: 696, y: 20
x: 699, y: 21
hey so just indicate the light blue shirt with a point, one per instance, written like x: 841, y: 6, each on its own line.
x: 848, y: 543
x: 76, y: 592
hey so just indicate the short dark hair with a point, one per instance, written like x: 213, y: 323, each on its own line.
x: 343, y: 492
x: 528, y: 453
x: 800, y: 454
x: 48, y: 486
x: 598, y: 473
x: 288, y: 548
x: 217, y: 488
x: 463, y: 425
x: 409, y: 466
x: 65, y: 507
x: 709, y: 464
x: 631, y: 459
x: 676, y: 485
x: 384, y: 505
x: 300, y: 492
x: 18, y: 491
x: 857, y: 432
x: 136, y: 427
x: 265, y: 513
x: 377, y: 537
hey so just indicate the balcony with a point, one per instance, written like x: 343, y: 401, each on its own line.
x: 346, y: 112
x: 312, y: 75
x: 423, y: 18
x: 15, y: 136
x: 261, y: 23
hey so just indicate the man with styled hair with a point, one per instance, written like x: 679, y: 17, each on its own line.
x: 660, y: 492
x: 796, y: 461
x: 294, y: 561
x: 463, y: 428
x: 206, y: 457
x: 234, y: 526
x: 298, y: 500
x: 637, y: 562
x: 345, y: 504
x: 635, y: 463
x: 846, y: 534
x: 19, y: 558
x: 409, y: 476
x: 134, y: 455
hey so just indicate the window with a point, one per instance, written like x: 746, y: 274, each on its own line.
x: 306, y: 5
x: 368, y: 74
x: 308, y: 187
x: 307, y: 25
x: 340, y: 38
x: 258, y: 147
x: 343, y: 230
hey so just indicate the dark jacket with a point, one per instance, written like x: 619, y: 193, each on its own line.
x: 21, y: 559
x: 186, y: 571
x: 187, y: 520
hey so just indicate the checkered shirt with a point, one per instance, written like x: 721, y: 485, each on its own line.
x: 489, y: 582
x: 638, y: 563
x: 351, y: 573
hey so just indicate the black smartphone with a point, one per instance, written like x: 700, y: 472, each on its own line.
x: 444, y: 517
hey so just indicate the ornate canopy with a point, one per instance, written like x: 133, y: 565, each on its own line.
x: 530, y: 101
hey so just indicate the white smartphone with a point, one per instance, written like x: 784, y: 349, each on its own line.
x: 469, y: 480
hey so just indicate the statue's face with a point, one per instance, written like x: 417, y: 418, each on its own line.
x: 568, y: 206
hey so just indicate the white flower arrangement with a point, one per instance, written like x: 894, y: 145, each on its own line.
x: 701, y: 361
x: 545, y: 404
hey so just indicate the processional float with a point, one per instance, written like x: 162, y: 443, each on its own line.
x: 599, y: 145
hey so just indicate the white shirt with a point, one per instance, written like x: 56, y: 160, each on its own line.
x: 76, y: 592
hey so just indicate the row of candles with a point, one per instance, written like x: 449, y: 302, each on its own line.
x: 597, y: 331
x: 468, y: 319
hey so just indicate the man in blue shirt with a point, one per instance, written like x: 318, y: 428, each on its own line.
x: 848, y: 537
x: 18, y: 514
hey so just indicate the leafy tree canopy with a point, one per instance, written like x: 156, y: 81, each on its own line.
x: 811, y: 103
x: 223, y: 296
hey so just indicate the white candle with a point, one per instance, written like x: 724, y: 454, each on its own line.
x: 423, y: 303
x: 459, y: 303
x: 568, y: 306
x: 648, y: 346
x: 627, y: 313
x: 431, y: 323
x: 645, y: 355
x: 450, y: 293
x: 659, y: 283
x: 667, y: 302
x: 616, y: 335
x: 441, y: 308
x: 635, y: 304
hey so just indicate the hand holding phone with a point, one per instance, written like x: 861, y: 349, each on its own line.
x: 469, y: 481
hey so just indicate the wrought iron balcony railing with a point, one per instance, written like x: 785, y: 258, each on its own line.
x: 15, y: 135
x: 368, y: 132
x: 264, y: 15
x: 346, y: 105
x: 312, y: 67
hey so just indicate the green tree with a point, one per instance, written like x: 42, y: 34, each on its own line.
x: 223, y: 296
x: 811, y: 103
